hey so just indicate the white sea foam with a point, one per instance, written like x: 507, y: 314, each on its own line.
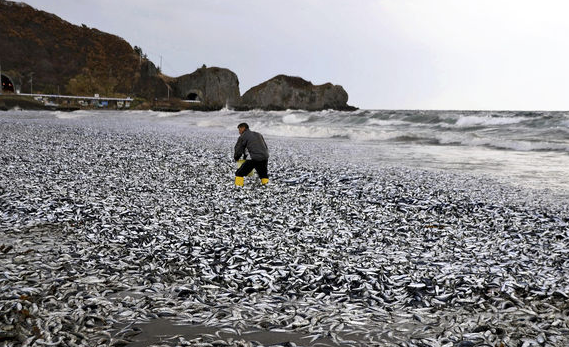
x: 516, y: 145
x: 386, y: 122
x: 471, y: 121
x: 214, y: 123
x: 295, y: 118
x: 72, y: 115
x: 367, y: 135
x: 166, y: 114
x: 287, y: 130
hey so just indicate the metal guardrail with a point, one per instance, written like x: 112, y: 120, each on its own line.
x: 76, y: 97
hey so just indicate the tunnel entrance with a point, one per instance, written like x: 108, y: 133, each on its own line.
x: 7, y: 84
x: 193, y: 97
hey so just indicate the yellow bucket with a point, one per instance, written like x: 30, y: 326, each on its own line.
x: 240, y: 162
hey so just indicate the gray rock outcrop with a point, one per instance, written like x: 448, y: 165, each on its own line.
x: 286, y: 92
x: 212, y: 87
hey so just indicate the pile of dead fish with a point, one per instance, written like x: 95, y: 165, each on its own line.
x: 108, y: 223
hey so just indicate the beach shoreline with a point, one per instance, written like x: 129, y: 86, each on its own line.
x: 108, y: 223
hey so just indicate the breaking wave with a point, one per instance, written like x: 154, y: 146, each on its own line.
x: 519, y: 131
x: 507, y: 130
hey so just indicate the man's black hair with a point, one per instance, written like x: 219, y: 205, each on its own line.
x: 243, y: 125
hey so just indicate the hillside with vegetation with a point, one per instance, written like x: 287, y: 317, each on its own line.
x: 45, y: 54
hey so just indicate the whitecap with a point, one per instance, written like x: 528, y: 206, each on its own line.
x: 295, y: 118
x: 166, y: 114
x: 387, y: 122
x: 473, y: 121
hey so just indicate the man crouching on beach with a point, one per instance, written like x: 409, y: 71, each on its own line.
x: 255, y: 144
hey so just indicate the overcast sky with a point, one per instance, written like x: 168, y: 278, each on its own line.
x: 387, y: 54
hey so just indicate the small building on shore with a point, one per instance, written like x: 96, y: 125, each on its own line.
x: 75, y: 101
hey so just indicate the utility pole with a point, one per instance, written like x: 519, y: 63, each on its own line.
x: 1, y: 84
x: 160, y: 64
x: 31, y: 82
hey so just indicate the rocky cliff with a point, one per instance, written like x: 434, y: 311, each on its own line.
x: 213, y: 87
x: 43, y: 53
x: 286, y: 92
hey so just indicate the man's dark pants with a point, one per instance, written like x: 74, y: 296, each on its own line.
x: 259, y: 165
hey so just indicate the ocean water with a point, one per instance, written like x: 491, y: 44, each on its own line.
x: 528, y: 149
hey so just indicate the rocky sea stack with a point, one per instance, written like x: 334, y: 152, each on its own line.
x: 212, y: 87
x: 286, y: 92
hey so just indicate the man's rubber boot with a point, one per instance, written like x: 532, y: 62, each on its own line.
x: 239, y: 181
x: 264, y: 181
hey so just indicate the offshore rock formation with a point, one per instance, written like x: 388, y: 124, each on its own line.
x: 286, y: 92
x: 213, y: 87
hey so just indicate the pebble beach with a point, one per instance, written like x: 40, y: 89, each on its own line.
x: 118, y: 231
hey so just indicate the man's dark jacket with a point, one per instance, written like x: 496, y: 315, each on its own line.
x: 255, y: 145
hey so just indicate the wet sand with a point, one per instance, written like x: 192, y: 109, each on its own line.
x: 162, y: 330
